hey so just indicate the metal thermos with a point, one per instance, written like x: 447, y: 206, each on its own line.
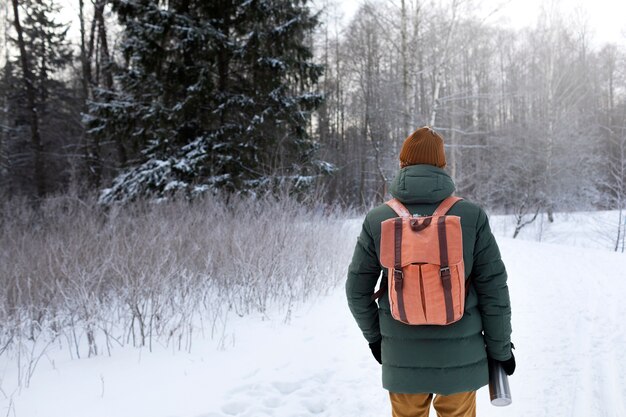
x: 499, y: 389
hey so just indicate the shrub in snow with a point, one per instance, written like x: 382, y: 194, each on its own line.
x: 88, y: 278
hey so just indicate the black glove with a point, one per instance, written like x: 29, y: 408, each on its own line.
x: 508, y: 365
x: 375, y: 348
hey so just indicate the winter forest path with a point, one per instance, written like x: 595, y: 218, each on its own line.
x: 568, y: 327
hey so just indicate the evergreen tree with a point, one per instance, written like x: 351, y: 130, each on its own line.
x: 212, y: 95
x: 7, y: 81
x: 38, y: 110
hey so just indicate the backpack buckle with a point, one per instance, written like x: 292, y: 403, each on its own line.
x: 398, y: 275
x: 444, y: 271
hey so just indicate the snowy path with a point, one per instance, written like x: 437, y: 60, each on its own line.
x: 568, y: 328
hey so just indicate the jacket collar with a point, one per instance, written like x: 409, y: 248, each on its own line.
x: 425, y: 184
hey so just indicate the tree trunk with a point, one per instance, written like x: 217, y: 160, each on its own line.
x: 86, y: 68
x: 4, y: 111
x: 105, y: 59
x: 39, y: 175
x: 92, y: 150
x: 440, y: 63
x: 619, y: 239
x: 104, y: 44
x: 4, y: 137
x: 405, y: 73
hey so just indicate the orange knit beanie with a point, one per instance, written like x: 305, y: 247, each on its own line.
x: 424, y: 146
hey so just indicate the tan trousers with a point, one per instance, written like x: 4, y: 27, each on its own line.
x: 418, y: 405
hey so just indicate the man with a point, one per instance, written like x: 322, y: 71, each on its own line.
x: 446, y: 362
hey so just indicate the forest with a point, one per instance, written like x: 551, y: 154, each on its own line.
x: 138, y: 158
x: 157, y: 99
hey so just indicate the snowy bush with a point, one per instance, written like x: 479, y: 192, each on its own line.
x: 89, y: 278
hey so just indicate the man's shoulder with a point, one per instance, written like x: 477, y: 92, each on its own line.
x: 471, y: 214
x: 468, y: 207
x: 377, y: 215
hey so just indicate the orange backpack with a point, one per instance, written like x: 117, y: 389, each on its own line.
x: 424, y: 259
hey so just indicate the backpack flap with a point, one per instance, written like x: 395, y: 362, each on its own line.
x: 414, y: 242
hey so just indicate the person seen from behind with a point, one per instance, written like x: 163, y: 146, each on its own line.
x: 444, y: 363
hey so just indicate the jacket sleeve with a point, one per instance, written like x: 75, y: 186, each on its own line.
x: 363, y: 274
x: 489, y: 279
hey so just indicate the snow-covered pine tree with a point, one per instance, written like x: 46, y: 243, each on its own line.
x: 212, y: 95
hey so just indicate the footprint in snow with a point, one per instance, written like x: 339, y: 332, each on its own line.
x: 272, y: 402
x: 234, y: 408
x: 253, y: 390
x: 251, y: 374
x: 314, y: 406
x: 286, y: 388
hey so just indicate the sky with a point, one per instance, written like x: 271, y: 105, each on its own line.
x: 606, y: 19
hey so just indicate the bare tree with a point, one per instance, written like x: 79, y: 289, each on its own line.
x: 6, y: 75
x: 615, y: 179
x: 442, y: 59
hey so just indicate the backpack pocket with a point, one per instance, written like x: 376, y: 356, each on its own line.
x: 422, y: 296
x: 406, y: 296
x: 445, y: 294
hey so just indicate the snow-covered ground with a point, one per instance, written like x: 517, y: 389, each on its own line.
x: 568, y: 327
x: 583, y: 229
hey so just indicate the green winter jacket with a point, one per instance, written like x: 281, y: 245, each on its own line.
x: 434, y: 359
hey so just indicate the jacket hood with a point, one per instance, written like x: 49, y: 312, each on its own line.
x: 425, y: 184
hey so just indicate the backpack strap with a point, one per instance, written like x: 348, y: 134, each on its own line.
x: 398, y: 207
x: 380, y: 292
x: 446, y: 205
x: 401, y: 211
x: 444, y: 271
x: 398, y: 276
